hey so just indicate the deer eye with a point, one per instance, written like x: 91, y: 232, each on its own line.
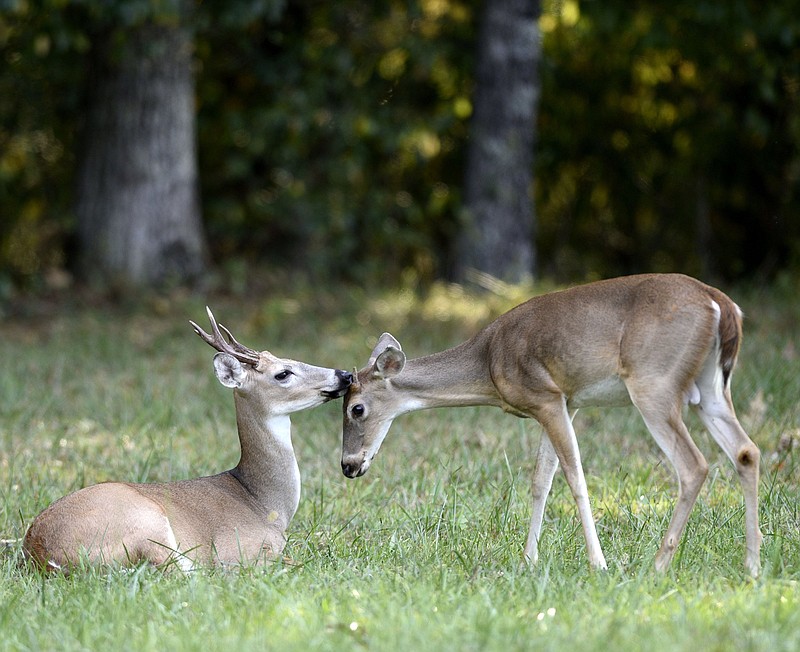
x: 283, y: 375
x: 357, y: 410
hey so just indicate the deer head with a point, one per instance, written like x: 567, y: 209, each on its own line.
x: 371, y: 405
x: 290, y: 385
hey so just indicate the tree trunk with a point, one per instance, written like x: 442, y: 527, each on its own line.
x: 138, y: 205
x: 498, y: 232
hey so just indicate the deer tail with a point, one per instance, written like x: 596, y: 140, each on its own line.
x: 730, y: 333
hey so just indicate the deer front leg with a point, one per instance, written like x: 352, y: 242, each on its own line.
x: 561, y: 439
x: 543, y: 473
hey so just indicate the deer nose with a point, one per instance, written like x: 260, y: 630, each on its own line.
x: 345, y: 376
x: 351, y: 469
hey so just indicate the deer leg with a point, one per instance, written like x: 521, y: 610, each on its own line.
x: 718, y: 416
x: 559, y: 432
x: 544, y: 471
x: 145, y: 533
x: 163, y: 548
x: 690, y: 466
x: 543, y: 474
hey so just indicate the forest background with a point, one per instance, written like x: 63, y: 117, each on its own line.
x: 322, y: 155
x: 332, y: 137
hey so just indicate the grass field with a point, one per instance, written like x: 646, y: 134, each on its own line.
x: 423, y: 552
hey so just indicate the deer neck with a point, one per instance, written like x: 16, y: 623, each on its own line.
x: 268, y: 467
x: 451, y: 378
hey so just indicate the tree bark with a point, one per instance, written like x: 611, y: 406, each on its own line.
x: 138, y: 207
x: 498, y: 230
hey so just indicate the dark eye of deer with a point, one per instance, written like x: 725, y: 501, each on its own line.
x: 357, y: 410
x: 283, y: 375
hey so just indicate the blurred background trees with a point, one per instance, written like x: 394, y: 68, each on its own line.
x: 137, y: 206
x: 496, y: 235
x: 333, y: 137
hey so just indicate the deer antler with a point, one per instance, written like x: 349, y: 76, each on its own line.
x: 238, y: 351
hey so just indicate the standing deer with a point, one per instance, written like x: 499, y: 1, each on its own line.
x: 236, y: 517
x: 658, y: 341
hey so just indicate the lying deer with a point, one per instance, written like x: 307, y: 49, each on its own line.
x: 236, y: 517
x: 658, y: 341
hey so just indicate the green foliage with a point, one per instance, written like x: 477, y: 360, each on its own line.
x: 40, y: 78
x: 335, y: 133
x: 421, y: 553
x: 669, y: 134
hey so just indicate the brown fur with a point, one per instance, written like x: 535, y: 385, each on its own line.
x: 654, y: 340
x: 235, y: 517
x: 730, y: 332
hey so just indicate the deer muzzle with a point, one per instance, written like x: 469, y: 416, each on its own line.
x: 345, y: 379
x: 355, y: 466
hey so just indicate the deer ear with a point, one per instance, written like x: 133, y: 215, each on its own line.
x: 384, y: 341
x: 389, y: 363
x: 229, y: 370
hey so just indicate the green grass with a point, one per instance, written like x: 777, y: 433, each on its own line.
x: 423, y: 552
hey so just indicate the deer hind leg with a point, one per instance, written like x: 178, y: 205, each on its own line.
x: 143, y: 532
x: 715, y: 410
x: 543, y: 474
x: 163, y: 549
x: 563, y: 445
x: 662, y: 416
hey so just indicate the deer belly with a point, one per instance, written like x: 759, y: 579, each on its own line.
x: 608, y: 392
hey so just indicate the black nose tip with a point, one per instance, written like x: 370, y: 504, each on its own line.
x: 350, y: 470
x: 344, y: 376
